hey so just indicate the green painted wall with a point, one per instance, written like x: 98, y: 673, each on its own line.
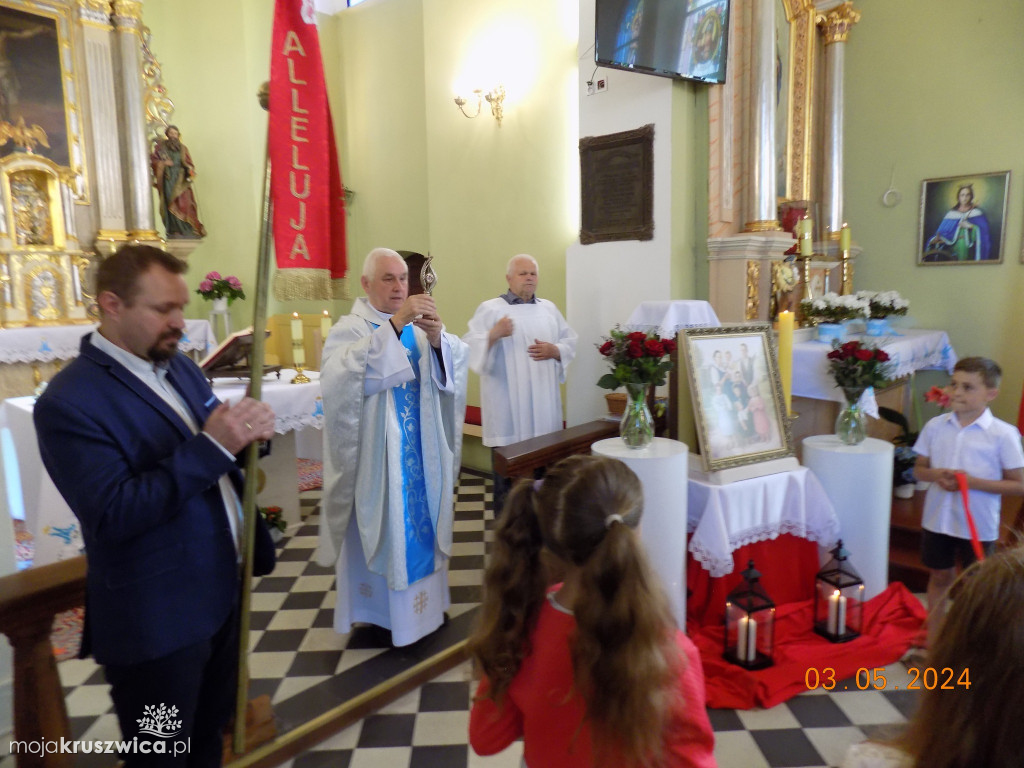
x: 933, y: 90
x: 375, y: 71
x: 689, y: 163
x: 214, y: 56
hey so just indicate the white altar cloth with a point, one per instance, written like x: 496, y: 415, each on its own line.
x: 667, y: 317
x: 723, y: 518
x: 46, y: 343
x: 913, y: 351
x: 296, y: 406
x: 51, y: 522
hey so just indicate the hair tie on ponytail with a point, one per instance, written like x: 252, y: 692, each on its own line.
x: 612, y: 519
x: 537, y: 484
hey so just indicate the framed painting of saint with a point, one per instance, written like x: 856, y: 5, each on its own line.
x: 963, y: 219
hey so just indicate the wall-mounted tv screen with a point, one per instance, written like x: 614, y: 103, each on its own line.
x: 672, y: 38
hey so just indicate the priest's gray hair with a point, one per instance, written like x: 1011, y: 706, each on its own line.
x: 370, y: 265
x: 508, y: 269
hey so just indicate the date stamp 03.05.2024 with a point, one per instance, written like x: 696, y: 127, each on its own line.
x: 928, y: 678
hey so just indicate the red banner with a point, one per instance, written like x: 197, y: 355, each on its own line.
x: 306, y: 189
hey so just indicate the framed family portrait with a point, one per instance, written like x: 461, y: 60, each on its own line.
x: 737, y: 395
x: 963, y: 219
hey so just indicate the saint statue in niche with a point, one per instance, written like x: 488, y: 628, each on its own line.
x: 173, y: 172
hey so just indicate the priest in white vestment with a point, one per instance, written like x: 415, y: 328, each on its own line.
x: 394, y: 392
x: 521, y: 347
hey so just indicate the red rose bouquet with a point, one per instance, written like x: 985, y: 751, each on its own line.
x: 274, y: 518
x: 636, y: 358
x: 855, y: 366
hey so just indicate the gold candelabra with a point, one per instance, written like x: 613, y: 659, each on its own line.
x: 300, y: 363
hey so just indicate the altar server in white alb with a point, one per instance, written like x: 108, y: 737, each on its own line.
x: 521, y: 347
x: 394, y: 389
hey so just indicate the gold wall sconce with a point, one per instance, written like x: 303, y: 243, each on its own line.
x: 495, y: 97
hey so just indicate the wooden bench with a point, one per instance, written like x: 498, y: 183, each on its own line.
x: 522, y: 458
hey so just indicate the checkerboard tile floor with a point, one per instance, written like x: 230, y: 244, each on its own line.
x: 306, y: 668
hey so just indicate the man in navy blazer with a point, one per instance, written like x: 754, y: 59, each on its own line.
x: 145, y: 456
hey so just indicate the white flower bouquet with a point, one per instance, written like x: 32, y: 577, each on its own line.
x: 885, y: 303
x: 833, y: 308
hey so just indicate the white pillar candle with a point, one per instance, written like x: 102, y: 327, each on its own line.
x: 325, y: 325
x: 746, y: 639
x: 751, y: 640
x: 833, y: 613
x: 841, y: 616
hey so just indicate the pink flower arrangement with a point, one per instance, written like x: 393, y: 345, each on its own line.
x: 216, y: 287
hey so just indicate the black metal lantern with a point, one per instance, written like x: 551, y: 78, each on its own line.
x: 839, y: 599
x: 750, y: 623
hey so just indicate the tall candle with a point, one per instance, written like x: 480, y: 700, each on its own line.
x: 844, y: 237
x: 786, y: 358
x: 298, y: 353
x: 841, y: 616
x: 806, y: 245
x: 325, y: 325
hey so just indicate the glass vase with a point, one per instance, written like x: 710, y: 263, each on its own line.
x: 852, y: 423
x: 637, y: 425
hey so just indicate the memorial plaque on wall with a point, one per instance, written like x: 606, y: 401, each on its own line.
x: 617, y: 179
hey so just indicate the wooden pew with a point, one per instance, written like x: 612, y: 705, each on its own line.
x: 522, y: 458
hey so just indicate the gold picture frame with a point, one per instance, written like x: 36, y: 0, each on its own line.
x: 736, y: 393
x: 37, y: 49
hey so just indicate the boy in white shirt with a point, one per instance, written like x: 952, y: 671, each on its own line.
x: 988, y: 451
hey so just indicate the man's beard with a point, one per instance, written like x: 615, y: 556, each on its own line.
x: 160, y: 354
x: 174, y: 144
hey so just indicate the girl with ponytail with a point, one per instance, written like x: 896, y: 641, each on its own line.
x: 591, y: 672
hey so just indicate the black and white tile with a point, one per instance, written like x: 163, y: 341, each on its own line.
x: 307, y: 669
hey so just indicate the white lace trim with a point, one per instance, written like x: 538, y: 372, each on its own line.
x: 290, y: 422
x: 718, y: 564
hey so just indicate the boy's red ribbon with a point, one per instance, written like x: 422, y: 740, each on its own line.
x: 961, y: 480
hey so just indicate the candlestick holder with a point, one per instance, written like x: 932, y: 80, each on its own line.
x: 299, y: 361
x: 846, y: 288
x: 805, y: 271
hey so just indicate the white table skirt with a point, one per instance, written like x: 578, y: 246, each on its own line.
x: 667, y: 317
x: 723, y: 518
x: 50, y: 520
x: 44, y: 344
x: 914, y: 350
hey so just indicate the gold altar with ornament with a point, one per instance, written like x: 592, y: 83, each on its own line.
x: 44, y: 274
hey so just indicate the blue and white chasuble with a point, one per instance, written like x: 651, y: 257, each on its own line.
x: 392, y: 444
x: 419, y: 531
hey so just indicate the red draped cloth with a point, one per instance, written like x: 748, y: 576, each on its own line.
x: 787, y: 564
x: 891, y: 621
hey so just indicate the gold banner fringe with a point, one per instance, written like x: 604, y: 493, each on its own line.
x: 308, y: 284
x: 340, y: 289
